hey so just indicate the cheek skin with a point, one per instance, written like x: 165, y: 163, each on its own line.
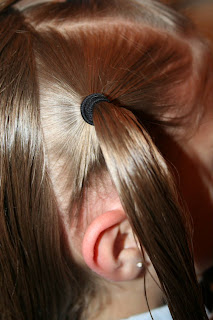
x: 196, y: 194
x: 192, y: 163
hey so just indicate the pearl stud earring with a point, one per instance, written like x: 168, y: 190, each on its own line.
x: 139, y: 264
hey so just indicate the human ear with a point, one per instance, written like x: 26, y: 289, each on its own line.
x: 109, y: 247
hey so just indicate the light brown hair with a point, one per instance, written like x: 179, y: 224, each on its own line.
x: 51, y: 57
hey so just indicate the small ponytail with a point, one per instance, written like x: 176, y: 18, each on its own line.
x: 48, y: 62
x: 148, y: 195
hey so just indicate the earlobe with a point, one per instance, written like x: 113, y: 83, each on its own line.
x: 109, y: 248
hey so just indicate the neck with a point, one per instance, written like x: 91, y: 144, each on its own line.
x: 125, y: 299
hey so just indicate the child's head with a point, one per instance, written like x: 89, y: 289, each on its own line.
x: 71, y: 193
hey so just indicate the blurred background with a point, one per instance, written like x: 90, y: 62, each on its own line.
x: 199, y: 11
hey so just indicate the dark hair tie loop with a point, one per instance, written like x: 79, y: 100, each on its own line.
x: 87, y: 106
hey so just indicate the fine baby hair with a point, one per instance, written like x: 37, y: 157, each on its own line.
x: 145, y: 59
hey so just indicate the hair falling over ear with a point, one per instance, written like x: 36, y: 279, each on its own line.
x: 51, y: 57
x: 138, y: 167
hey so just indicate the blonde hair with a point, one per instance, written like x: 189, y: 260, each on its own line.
x: 51, y: 57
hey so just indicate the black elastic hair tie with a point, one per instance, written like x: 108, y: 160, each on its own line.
x: 87, y: 106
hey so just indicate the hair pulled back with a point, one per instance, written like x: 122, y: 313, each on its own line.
x: 51, y: 57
